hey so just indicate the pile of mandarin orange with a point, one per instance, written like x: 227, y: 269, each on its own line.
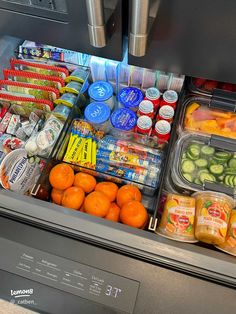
x: 81, y: 192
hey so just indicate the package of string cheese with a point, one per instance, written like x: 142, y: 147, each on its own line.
x: 39, y: 68
x: 7, y: 100
x: 34, y: 78
x: 24, y: 89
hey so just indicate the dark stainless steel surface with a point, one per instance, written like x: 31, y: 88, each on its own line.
x: 62, y: 29
x: 161, y: 290
x: 195, y: 38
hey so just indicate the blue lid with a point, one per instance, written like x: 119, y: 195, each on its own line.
x: 100, y: 91
x: 130, y: 97
x: 97, y: 112
x: 124, y: 119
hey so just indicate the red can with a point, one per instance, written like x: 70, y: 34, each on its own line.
x: 170, y: 97
x: 162, y: 130
x: 146, y: 108
x: 166, y: 113
x: 154, y: 96
x: 144, y: 125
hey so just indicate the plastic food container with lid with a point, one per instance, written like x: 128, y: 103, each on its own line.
x: 200, y: 115
x: 102, y: 91
x: 204, y: 163
x: 177, y: 221
x: 207, y: 87
x: 98, y: 114
x: 123, y: 119
x: 213, y: 211
x: 229, y: 246
x: 130, y: 98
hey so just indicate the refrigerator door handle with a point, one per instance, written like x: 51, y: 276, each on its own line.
x: 143, y: 15
x: 139, y: 28
x: 96, y: 23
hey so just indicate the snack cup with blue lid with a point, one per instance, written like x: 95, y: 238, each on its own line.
x: 123, y: 119
x: 98, y: 114
x: 130, y: 98
x: 102, y: 91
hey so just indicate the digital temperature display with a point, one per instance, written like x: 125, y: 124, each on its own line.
x: 112, y: 291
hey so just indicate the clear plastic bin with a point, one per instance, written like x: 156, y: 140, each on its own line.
x: 206, y: 87
x: 200, y: 117
x: 203, y: 163
x: 118, y: 170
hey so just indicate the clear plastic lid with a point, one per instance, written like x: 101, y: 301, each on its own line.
x: 199, y: 165
x: 199, y: 117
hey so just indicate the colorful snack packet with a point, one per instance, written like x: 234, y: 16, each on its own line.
x: 38, y: 92
x: 39, y: 68
x: 121, y: 158
x: 31, y: 103
x: 86, y: 158
x: 33, y: 78
x: 111, y: 143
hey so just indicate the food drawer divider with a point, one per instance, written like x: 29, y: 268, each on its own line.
x: 154, y: 220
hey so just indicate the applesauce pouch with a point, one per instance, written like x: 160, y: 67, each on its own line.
x: 34, y: 78
x: 35, y: 91
x: 39, y: 68
x: 7, y: 99
x: 177, y: 221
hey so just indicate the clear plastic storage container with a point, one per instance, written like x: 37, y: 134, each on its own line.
x: 206, y: 87
x: 198, y: 115
x: 204, y: 163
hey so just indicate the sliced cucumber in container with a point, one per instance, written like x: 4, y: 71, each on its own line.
x: 201, y: 163
x: 188, y: 177
x: 222, y: 155
x: 207, y: 177
x: 193, y: 151
x: 230, y: 171
x: 232, y: 163
x: 197, y: 181
x: 230, y: 180
x: 207, y: 150
x: 217, y: 170
x: 188, y: 166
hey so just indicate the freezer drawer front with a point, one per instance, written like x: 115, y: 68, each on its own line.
x: 195, y: 38
x: 65, y: 24
x: 146, y: 288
